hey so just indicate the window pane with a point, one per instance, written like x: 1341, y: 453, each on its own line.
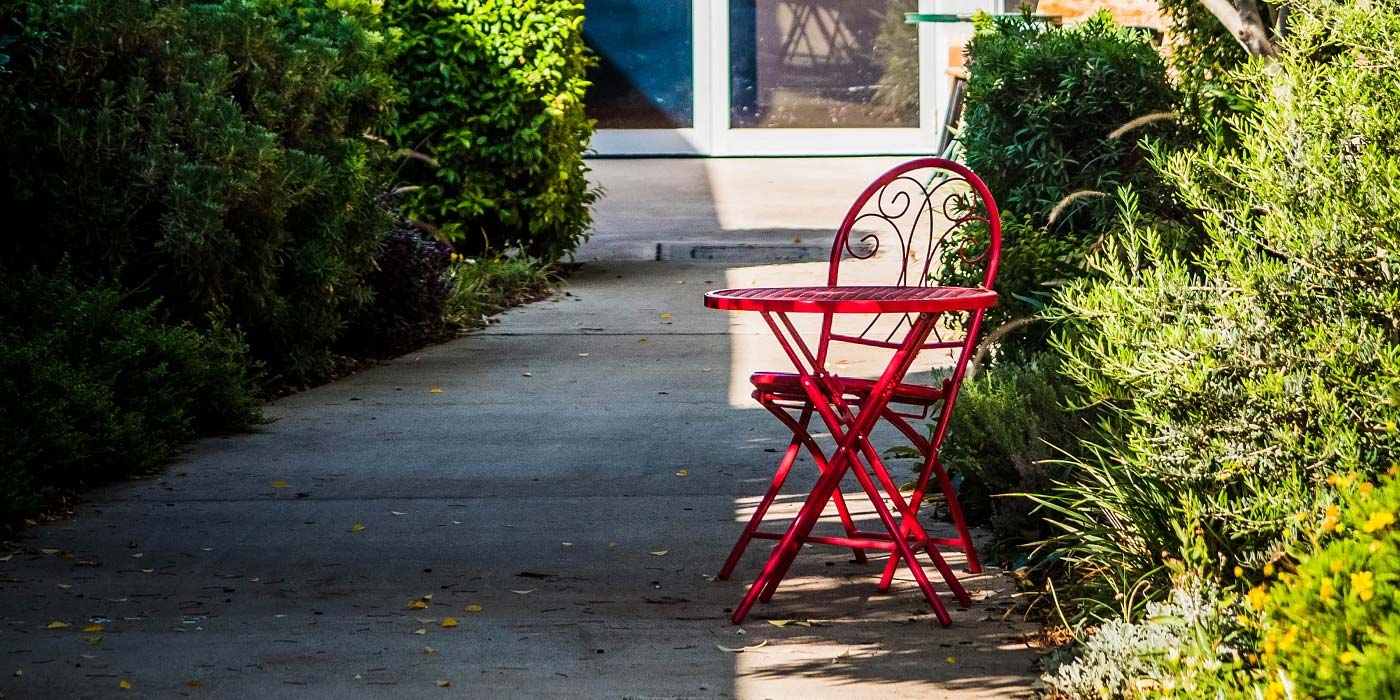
x: 643, y: 79
x: 823, y: 63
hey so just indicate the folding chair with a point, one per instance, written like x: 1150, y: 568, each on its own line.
x: 925, y: 220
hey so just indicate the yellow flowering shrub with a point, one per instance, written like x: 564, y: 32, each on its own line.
x: 1332, y: 624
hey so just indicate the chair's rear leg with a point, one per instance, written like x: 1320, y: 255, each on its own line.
x: 932, y: 467
x: 815, y: 450
x: 799, y: 428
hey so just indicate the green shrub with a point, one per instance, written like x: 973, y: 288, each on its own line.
x: 484, y: 286
x: 91, y: 390
x: 211, y: 154
x: 495, y: 97
x: 1237, y: 371
x: 1005, y: 439
x: 1043, y: 104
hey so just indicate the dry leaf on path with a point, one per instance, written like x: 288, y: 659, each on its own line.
x: 443, y: 684
x: 740, y: 650
x: 356, y: 527
x: 123, y: 685
x: 195, y: 683
x: 420, y: 631
x: 279, y: 484
x: 473, y: 608
x: 525, y: 592
x: 435, y: 390
x: 449, y: 622
x: 92, y: 628
x: 683, y: 473
x: 394, y: 512
x: 665, y: 315
x: 661, y: 552
x: 56, y: 625
x: 418, y: 604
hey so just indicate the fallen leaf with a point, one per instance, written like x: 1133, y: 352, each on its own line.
x: 525, y: 592
x: 952, y: 659
x: 148, y: 571
x: 740, y: 650
x: 92, y: 628
x: 435, y: 390
x: 279, y: 484
x: 643, y: 341
x: 49, y: 552
x: 429, y: 650
x: 473, y: 608
x: 7, y: 557
x: 124, y: 685
x: 665, y: 315
x: 418, y: 604
x: 443, y: 684
x: 661, y: 552
x: 427, y: 620
x: 420, y: 631
x: 780, y: 623
x: 93, y: 640
x: 680, y: 281
x: 449, y: 622
x: 797, y: 240
x: 356, y: 527
x: 527, y: 374
x: 583, y: 354
x: 567, y: 544
x: 682, y: 473
x: 65, y: 586
x: 612, y: 544
x: 195, y: 683
x: 56, y: 625
x: 394, y: 512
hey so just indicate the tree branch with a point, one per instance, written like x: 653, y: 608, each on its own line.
x: 1242, y: 19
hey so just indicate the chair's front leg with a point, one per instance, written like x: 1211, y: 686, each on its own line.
x: 799, y: 430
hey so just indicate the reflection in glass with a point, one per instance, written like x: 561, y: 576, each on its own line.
x: 823, y: 63
x: 643, y: 79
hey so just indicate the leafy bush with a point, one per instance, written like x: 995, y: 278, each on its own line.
x: 1003, y: 441
x: 1237, y: 371
x: 410, y: 284
x: 1043, y: 105
x: 211, y: 154
x: 91, y: 391
x: 495, y: 97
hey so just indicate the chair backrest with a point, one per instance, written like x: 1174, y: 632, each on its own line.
x: 926, y: 222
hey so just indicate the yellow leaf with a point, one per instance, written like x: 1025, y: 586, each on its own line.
x: 682, y: 473
x: 124, y: 685
x: 661, y: 552
x: 473, y: 608
x: 443, y: 684
x: 279, y: 484
x: 420, y: 631
x: 952, y: 659
x: 195, y: 683
x: 665, y: 315
x: 429, y: 650
x: 435, y: 390
x: 612, y: 544
x: 356, y: 527
x: 418, y: 604
x: 92, y: 628
x: 525, y: 592
x: 643, y: 341
x: 394, y: 512
x: 780, y: 623
x: 449, y: 622
x: 56, y: 625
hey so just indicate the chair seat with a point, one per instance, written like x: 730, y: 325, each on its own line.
x: 787, y: 385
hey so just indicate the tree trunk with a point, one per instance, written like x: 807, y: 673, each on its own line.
x: 1242, y: 19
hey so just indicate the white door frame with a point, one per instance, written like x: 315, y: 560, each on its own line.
x: 712, y: 135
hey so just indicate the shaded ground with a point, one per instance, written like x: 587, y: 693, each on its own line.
x: 532, y: 470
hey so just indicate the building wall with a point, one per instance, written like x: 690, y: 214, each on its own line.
x: 1141, y: 13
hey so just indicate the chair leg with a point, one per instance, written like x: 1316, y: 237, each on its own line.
x: 784, y: 466
x: 932, y: 466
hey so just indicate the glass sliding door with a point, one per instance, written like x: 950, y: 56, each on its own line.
x: 766, y: 77
x: 644, y: 84
x: 822, y: 64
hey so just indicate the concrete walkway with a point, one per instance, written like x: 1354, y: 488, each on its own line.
x: 562, y: 485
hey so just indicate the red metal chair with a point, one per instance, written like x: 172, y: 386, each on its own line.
x: 925, y: 220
